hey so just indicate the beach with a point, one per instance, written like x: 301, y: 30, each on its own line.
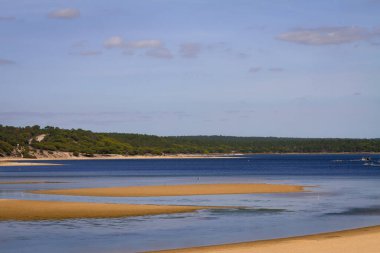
x: 364, y: 240
x: 29, y: 210
x: 59, y: 155
x: 14, y: 163
x: 67, y: 156
x: 176, y: 190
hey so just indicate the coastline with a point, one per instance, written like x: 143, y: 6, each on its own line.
x: 122, y: 157
x: 363, y: 239
x: 68, y: 157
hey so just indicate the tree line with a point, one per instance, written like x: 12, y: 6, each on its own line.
x: 22, y: 141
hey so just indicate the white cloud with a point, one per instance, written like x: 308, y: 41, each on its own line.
x: 327, y: 35
x: 163, y: 53
x: 153, y: 48
x: 114, y: 42
x: 68, y: 13
x: 119, y: 42
x: 190, y: 50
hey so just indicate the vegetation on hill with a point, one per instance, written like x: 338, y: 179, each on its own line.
x: 24, y: 141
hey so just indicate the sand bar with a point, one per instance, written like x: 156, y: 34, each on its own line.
x: 27, y: 210
x: 364, y: 240
x: 12, y: 164
x: 176, y: 190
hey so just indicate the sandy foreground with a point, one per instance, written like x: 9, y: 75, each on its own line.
x: 176, y: 190
x: 11, y: 209
x: 14, y: 163
x: 362, y: 240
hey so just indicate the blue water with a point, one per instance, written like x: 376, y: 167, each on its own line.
x: 343, y: 193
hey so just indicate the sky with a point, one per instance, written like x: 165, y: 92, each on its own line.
x: 285, y: 68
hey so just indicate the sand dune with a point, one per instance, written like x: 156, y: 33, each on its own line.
x: 42, y: 210
x: 176, y: 190
x: 365, y: 240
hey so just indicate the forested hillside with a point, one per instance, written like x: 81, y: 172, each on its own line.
x: 28, y: 141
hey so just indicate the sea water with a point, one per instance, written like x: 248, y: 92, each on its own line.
x: 343, y: 193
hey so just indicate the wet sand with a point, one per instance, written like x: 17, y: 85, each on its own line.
x: 176, y: 190
x: 364, y: 240
x: 28, y: 210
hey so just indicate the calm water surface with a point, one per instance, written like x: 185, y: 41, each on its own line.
x: 344, y: 193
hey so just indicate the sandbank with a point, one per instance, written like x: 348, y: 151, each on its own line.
x: 28, y: 210
x: 364, y: 240
x: 176, y: 190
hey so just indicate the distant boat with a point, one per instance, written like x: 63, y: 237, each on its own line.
x: 366, y: 159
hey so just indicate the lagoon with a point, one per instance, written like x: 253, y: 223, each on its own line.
x: 343, y: 194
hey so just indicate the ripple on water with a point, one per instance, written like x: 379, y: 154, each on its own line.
x: 245, y: 211
x: 371, y: 210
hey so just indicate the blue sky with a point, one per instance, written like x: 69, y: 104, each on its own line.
x: 168, y: 67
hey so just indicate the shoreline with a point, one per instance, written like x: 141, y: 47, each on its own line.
x: 30, y: 210
x: 15, y: 163
x: 356, y: 240
x: 177, y: 156
x: 121, y: 157
x: 176, y: 190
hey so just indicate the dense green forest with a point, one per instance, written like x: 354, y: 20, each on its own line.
x: 27, y: 141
